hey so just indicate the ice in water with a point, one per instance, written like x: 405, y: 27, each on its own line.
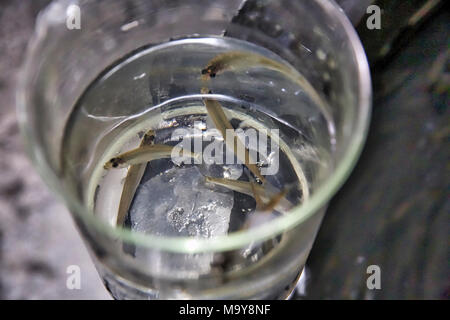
x: 177, y: 203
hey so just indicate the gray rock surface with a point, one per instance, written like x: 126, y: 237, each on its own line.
x: 38, y: 239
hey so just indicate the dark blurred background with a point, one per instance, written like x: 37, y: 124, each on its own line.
x: 392, y: 212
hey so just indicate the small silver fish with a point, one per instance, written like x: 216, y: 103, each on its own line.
x: 145, y: 154
x: 132, y: 180
x: 255, y: 192
x: 275, y: 200
x: 215, y: 111
x: 238, y: 60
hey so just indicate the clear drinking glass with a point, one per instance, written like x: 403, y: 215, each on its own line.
x: 85, y: 94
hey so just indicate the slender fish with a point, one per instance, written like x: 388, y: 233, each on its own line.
x: 215, y: 111
x: 237, y: 60
x: 266, y: 211
x: 259, y: 201
x: 145, y: 154
x: 132, y: 180
x: 273, y: 202
x: 277, y: 201
x: 221, y: 122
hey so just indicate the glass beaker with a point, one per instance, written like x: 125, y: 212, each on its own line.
x: 94, y: 69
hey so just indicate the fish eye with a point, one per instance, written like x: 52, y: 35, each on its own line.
x: 113, y: 162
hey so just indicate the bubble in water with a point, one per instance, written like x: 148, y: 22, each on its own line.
x: 175, y: 219
x: 232, y: 171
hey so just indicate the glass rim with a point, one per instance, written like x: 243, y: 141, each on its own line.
x: 234, y: 240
